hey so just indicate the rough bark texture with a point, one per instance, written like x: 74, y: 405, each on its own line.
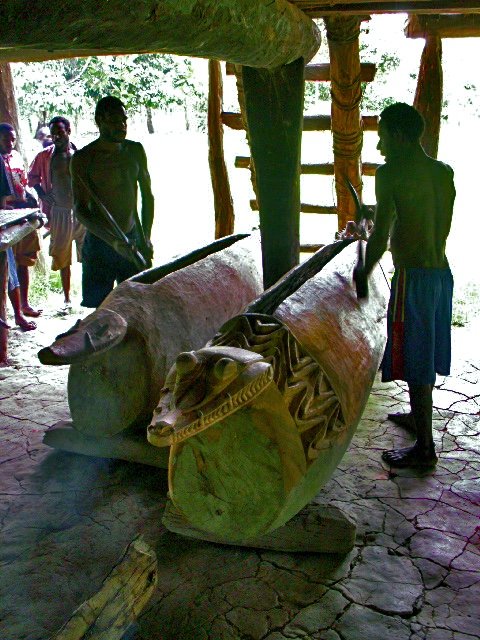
x: 429, y: 93
x: 274, y: 111
x: 8, y: 104
x: 258, y: 33
x: 342, y: 34
x: 222, y: 197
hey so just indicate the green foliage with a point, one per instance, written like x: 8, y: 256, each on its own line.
x: 72, y: 87
x: 466, y: 304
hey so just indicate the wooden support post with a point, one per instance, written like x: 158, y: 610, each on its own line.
x: 8, y: 104
x: 342, y: 34
x: 274, y: 113
x: 222, y: 197
x: 429, y: 93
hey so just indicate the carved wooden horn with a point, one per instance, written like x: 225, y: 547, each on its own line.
x: 157, y: 273
x: 293, y: 280
x: 99, y: 332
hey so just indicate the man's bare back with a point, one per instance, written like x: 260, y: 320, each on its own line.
x: 422, y: 192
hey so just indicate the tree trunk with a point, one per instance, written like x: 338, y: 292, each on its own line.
x: 253, y: 32
x: 222, y: 197
x: 429, y: 93
x: 150, y: 121
x: 8, y: 104
x: 342, y: 34
x: 274, y: 111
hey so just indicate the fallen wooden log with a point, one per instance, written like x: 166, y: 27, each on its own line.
x: 259, y: 419
x: 123, y: 596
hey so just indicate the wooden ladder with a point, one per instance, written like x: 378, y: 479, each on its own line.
x: 313, y: 73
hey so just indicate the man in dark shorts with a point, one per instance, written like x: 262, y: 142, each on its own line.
x: 108, y: 170
x: 415, y: 196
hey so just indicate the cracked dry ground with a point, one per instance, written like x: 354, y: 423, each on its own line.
x: 413, y: 574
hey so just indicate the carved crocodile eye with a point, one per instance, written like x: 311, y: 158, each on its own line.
x: 186, y: 362
x: 225, y: 368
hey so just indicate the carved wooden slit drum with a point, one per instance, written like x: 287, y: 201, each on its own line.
x: 259, y: 419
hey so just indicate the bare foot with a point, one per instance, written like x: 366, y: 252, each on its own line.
x: 404, y: 420
x: 32, y: 313
x: 4, y: 325
x: 24, y: 324
x: 410, y: 457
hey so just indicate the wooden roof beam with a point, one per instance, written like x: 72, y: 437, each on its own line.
x: 320, y: 8
x: 254, y: 33
x: 443, y: 26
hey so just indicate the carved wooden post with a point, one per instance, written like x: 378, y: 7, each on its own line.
x: 429, y: 93
x: 274, y: 111
x: 222, y: 197
x: 8, y: 104
x: 342, y: 34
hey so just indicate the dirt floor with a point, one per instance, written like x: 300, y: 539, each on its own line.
x: 414, y: 573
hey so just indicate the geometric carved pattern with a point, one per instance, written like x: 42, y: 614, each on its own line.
x: 306, y: 390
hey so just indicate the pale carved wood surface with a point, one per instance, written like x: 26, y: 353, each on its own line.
x: 124, y: 594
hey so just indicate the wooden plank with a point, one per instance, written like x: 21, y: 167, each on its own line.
x: 130, y: 445
x: 249, y: 32
x: 124, y: 594
x: 443, y: 26
x: 222, y: 196
x: 320, y: 8
x: 321, y: 72
x: 322, y: 169
x: 310, y: 248
x: 316, y: 529
x: 305, y: 208
x: 310, y: 123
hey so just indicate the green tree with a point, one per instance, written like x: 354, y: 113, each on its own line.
x: 143, y: 82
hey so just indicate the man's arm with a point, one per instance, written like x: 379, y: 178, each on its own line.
x: 378, y: 240
x: 145, y: 185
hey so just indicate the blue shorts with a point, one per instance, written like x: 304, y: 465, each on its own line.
x: 13, y: 282
x: 102, y: 266
x: 419, y: 326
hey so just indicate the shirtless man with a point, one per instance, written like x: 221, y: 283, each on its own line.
x: 415, y: 196
x: 110, y: 167
x: 49, y: 175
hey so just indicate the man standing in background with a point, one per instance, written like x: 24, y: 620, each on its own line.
x: 105, y: 177
x: 49, y: 175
